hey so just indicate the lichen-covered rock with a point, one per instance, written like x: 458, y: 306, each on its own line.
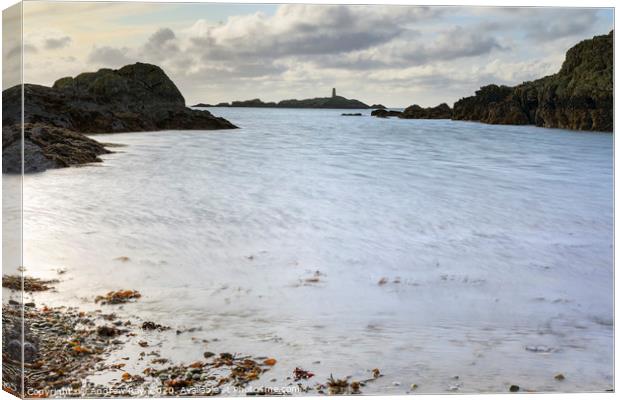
x: 442, y: 111
x: 579, y: 96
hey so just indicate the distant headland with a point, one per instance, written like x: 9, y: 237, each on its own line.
x: 334, y: 101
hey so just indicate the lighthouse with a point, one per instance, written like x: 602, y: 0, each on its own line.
x: 333, y: 92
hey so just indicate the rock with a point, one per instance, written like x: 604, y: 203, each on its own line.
x: 382, y: 113
x: 202, y: 105
x: 108, y: 331
x: 579, y: 96
x: 442, y: 111
x: 514, y: 388
x: 378, y: 106
x: 351, y: 114
x: 14, y: 351
x: 137, y: 97
x: 46, y: 147
x: 559, y: 377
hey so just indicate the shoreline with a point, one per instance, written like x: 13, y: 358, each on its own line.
x: 67, y: 350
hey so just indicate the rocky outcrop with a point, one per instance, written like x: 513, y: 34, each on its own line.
x: 579, y: 96
x: 442, y: 111
x: 378, y: 106
x: 383, y: 113
x: 137, y: 97
x: 202, y: 105
x: 46, y: 147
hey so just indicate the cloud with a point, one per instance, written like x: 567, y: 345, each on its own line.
x: 57, y: 43
x: 109, y: 56
x: 451, y: 44
x: 161, y: 45
x: 542, y: 24
x: 297, y: 30
x: 16, y: 50
x: 566, y: 24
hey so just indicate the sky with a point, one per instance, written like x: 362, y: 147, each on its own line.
x: 393, y: 55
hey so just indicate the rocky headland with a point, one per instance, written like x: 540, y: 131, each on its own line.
x: 137, y: 97
x: 336, y: 102
x: 579, y: 96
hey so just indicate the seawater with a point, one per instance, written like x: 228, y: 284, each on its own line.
x: 427, y: 249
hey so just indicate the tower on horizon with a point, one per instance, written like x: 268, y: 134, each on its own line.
x: 333, y: 92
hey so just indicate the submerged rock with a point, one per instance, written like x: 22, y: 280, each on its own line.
x: 579, y: 96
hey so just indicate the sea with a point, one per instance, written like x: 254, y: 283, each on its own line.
x: 452, y: 256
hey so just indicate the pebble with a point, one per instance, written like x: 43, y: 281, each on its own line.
x: 514, y: 388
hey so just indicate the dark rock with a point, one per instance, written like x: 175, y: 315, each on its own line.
x: 14, y: 351
x: 442, y: 111
x: 579, y: 96
x: 46, y: 147
x: 351, y: 114
x: 202, y: 105
x: 514, y: 388
x: 381, y: 113
x: 223, y: 104
x: 137, y: 97
x: 378, y: 106
x: 108, y: 331
x: 150, y: 326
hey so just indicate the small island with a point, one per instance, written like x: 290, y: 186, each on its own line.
x: 335, y: 102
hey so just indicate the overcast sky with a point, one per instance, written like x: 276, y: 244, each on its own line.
x: 394, y: 55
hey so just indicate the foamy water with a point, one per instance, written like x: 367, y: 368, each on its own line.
x: 492, y: 240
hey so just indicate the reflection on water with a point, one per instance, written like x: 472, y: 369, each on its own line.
x: 442, y: 248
